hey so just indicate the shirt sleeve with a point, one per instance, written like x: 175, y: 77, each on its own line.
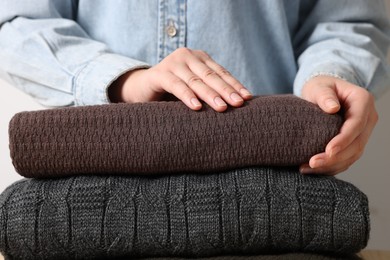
x: 46, y: 54
x: 347, y: 39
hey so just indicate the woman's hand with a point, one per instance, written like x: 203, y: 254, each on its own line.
x: 189, y: 75
x: 332, y: 94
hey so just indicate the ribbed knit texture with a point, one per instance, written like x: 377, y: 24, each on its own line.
x: 246, y: 211
x: 167, y: 137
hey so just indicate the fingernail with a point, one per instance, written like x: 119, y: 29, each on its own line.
x: 330, y: 103
x: 219, y: 102
x: 235, y: 97
x: 318, y: 163
x: 245, y: 92
x: 305, y: 170
x: 195, y: 102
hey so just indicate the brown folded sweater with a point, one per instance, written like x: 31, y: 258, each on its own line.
x: 166, y: 137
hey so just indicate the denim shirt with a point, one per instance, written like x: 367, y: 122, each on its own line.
x: 67, y: 52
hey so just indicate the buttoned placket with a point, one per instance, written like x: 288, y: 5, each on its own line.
x: 172, y: 26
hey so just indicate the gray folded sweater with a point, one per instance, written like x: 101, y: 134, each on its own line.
x: 244, y: 211
x: 286, y: 256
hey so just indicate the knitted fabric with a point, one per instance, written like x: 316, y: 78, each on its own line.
x: 167, y: 137
x: 287, y: 256
x: 244, y: 211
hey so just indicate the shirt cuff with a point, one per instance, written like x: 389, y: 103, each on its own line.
x: 92, y: 82
x: 332, y: 69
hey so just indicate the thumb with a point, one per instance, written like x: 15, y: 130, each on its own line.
x: 325, y: 97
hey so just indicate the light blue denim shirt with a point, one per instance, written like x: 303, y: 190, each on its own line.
x: 67, y: 52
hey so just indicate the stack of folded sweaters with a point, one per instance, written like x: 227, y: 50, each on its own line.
x: 157, y: 179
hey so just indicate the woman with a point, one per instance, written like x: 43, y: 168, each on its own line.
x: 329, y: 52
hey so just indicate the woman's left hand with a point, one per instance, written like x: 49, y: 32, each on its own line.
x: 332, y: 94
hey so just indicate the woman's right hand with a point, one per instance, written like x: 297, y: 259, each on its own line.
x: 189, y: 75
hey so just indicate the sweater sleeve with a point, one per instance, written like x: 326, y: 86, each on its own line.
x: 48, y: 55
x: 347, y: 39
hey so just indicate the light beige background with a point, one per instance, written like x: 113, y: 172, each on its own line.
x: 371, y: 173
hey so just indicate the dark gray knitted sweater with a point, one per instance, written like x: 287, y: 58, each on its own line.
x: 247, y: 211
x: 285, y: 256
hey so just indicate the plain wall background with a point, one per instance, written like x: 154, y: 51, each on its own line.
x: 371, y: 173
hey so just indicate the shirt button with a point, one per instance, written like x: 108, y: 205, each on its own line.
x: 171, y: 29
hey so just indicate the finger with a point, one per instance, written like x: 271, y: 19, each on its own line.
x: 204, y: 92
x: 331, y: 169
x: 325, y: 97
x: 349, y: 155
x: 359, y: 143
x: 324, y: 171
x: 356, y: 121
x: 177, y: 87
x: 328, y: 170
x: 322, y: 163
x: 213, y: 80
x: 227, y: 77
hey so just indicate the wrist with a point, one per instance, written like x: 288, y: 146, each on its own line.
x: 320, y: 81
x: 120, y: 90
